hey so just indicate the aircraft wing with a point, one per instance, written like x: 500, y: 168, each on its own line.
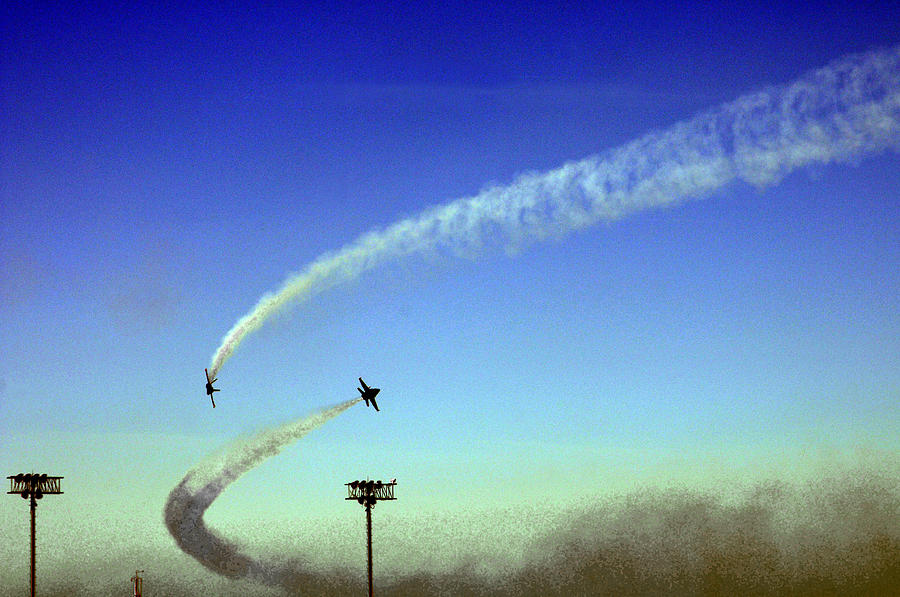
x: 375, y: 404
x: 365, y: 387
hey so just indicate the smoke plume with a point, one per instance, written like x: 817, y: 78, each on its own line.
x: 836, y: 535
x: 846, y: 109
x: 190, y: 499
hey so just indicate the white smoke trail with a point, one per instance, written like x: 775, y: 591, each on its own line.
x: 190, y: 499
x: 841, y: 111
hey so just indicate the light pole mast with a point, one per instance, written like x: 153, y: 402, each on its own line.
x: 367, y: 493
x: 29, y: 485
x: 138, y: 583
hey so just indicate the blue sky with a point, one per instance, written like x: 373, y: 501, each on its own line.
x: 163, y: 169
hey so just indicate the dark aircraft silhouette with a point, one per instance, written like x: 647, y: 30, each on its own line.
x: 369, y: 393
x: 210, y: 389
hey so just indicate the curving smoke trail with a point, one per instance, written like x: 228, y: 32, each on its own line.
x: 190, y: 499
x: 846, y: 109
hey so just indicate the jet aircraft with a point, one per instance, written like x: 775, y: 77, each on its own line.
x: 368, y: 393
x: 210, y: 389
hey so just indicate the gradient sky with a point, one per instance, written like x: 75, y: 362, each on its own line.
x: 161, y: 169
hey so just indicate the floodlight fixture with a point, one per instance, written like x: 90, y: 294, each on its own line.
x: 367, y: 493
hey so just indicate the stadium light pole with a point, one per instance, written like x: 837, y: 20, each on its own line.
x: 367, y: 493
x: 138, y: 583
x: 36, y: 487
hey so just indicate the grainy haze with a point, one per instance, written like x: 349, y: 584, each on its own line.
x: 836, y: 536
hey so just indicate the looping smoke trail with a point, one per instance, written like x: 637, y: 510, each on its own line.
x: 190, y: 499
x: 841, y: 111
